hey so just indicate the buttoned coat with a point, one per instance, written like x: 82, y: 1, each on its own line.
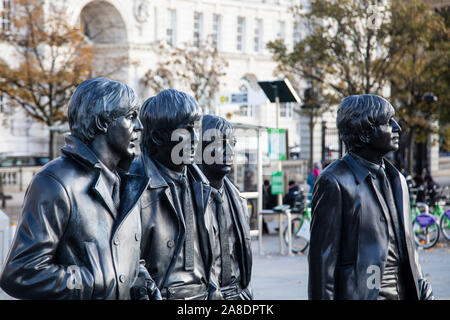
x: 163, y: 226
x: 349, y: 234
x: 71, y: 241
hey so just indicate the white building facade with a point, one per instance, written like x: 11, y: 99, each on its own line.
x: 134, y: 27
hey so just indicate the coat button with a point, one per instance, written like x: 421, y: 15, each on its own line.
x: 122, y: 278
x: 170, y: 243
x: 137, y: 237
x: 116, y: 241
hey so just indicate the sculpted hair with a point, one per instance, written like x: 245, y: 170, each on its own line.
x: 165, y: 112
x: 357, y: 117
x: 210, y: 121
x: 98, y: 99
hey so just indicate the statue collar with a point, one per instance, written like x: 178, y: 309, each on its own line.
x: 75, y: 148
x: 171, y: 174
x: 153, y: 171
x: 360, y: 172
x: 373, y: 168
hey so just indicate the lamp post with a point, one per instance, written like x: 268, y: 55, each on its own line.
x: 280, y: 91
x: 311, y: 104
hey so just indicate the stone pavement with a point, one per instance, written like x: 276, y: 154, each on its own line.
x: 277, y: 277
x: 282, y: 277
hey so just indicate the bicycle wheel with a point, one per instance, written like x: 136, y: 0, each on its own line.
x: 299, y: 234
x: 444, y: 223
x: 426, y: 231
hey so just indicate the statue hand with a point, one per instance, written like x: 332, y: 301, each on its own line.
x: 425, y: 290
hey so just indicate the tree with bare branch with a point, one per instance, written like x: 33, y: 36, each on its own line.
x: 197, y: 69
x: 398, y: 49
x: 49, y: 59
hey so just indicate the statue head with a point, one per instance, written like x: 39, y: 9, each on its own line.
x: 218, y: 143
x: 171, y: 122
x: 367, y: 122
x: 108, y: 109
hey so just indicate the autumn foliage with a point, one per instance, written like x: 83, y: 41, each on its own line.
x: 44, y: 61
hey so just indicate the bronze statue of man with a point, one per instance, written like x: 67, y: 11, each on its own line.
x: 79, y: 233
x: 361, y: 244
x: 177, y: 237
x: 233, y: 263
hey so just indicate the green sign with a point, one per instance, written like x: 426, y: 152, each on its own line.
x: 276, y: 181
x: 277, y: 144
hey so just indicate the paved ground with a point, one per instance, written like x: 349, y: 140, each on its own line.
x: 277, y: 277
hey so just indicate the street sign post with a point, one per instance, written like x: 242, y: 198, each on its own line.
x: 233, y: 98
x: 279, y: 91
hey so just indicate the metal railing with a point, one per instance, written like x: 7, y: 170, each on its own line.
x: 16, y: 179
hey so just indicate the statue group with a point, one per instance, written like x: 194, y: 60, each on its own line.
x: 103, y: 221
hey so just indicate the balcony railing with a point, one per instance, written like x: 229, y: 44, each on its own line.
x: 16, y: 179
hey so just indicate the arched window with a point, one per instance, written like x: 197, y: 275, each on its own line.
x: 103, y: 23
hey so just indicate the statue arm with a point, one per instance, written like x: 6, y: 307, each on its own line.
x: 30, y: 271
x: 324, y: 249
x: 214, y: 292
x: 145, y: 287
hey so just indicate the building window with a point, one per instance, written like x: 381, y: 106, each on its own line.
x: 217, y: 29
x: 5, y: 105
x: 296, y: 33
x: 171, y: 27
x: 198, y: 26
x: 258, y: 35
x: 240, y: 39
x: 281, y: 30
x: 286, y: 110
x: 247, y: 111
x: 6, y: 15
x: 2, y: 103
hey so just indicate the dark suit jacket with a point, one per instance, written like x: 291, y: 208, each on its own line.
x: 69, y: 226
x: 241, y: 221
x: 349, y: 233
x: 163, y: 227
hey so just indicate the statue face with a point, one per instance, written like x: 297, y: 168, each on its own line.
x: 189, y: 135
x: 386, y: 137
x: 122, y: 134
x: 177, y: 148
x: 222, y: 150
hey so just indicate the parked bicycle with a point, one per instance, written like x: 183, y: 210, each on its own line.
x: 300, y: 225
x: 425, y: 226
x: 444, y: 224
x: 443, y: 216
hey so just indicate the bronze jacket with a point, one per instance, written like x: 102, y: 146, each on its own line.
x: 163, y: 227
x: 349, y: 234
x: 241, y: 221
x: 71, y: 242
